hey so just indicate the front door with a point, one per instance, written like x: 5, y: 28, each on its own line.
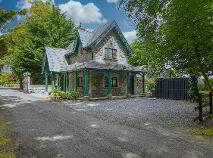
x: 132, y: 85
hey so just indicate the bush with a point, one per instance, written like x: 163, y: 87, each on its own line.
x: 202, y: 86
x: 8, y: 78
x: 64, y: 95
x: 151, y: 85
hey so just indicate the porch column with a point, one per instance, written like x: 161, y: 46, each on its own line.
x: 110, y: 84
x: 86, y: 83
x: 143, y: 83
x: 46, y: 81
x: 128, y: 84
x: 53, y: 80
x: 90, y: 83
x: 64, y: 88
x: 67, y: 84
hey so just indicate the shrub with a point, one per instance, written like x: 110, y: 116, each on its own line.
x: 202, y: 84
x: 8, y: 78
x: 64, y: 95
x: 151, y: 85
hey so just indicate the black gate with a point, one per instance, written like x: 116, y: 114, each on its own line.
x: 172, y: 88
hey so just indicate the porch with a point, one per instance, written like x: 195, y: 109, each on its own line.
x: 99, y: 84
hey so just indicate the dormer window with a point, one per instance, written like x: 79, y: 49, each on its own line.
x: 110, y: 53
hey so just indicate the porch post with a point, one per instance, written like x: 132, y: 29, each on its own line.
x: 110, y: 84
x: 64, y: 88
x: 128, y: 84
x: 90, y: 83
x: 46, y: 81
x: 67, y: 84
x: 143, y: 83
x: 86, y: 83
x: 53, y: 80
x: 76, y: 77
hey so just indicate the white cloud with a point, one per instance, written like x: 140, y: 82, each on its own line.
x: 112, y: 1
x: 130, y: 36
x: 23, y: 4
x: 88, y: 13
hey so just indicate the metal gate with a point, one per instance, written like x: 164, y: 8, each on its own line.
x: 172, y: 88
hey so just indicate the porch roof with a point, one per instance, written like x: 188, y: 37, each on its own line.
x: 106, y: 65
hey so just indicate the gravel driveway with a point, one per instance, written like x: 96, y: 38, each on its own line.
x: 140, y: 111
x: 129, y: 128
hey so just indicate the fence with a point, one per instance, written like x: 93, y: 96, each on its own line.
x: 204, y: 105
x: 172, y: 88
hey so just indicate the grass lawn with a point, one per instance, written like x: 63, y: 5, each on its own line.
x: 4, y: 141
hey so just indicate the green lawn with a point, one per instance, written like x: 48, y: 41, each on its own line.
x: 4, y: 141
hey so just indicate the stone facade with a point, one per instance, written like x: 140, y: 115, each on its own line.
x: 111, y: 41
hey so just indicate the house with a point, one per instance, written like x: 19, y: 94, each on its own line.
x: 95, y: 64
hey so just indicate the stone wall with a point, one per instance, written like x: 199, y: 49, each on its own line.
x: 96, y: 81
x: 111, y: 42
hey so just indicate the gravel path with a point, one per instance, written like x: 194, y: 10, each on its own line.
x: 166, y: 113
x: 130, y: 128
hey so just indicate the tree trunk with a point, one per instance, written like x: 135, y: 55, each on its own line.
x: 194, y: 91
x: 20, y: 78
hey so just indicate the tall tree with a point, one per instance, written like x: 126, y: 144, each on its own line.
x: 188, y: 35
x: 6, y: 15
x: 45, y: 27
x: 181, y: 31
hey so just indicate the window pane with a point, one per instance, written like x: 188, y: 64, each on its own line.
x: 110, y: 54
x: 106, y: 53
x: 114, y: 55
x: 114, y: 82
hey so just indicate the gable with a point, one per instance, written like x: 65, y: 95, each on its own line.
x: 90, y: 40
x: 111, y: 41
x: 100, y: 34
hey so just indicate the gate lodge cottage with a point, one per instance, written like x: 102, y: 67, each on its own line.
x: 95, y: 65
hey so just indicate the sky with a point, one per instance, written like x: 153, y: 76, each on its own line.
x: 90, y: 13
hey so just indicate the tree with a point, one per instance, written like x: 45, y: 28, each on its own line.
x: 188, y: 36
x: 146, y: 14
x: 6, y: 15
x: 180, y: 31
x: 45, y: 27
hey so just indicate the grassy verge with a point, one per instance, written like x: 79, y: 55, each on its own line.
x: 205, y: 129
x: 208, y: 132
x: 5, y: 142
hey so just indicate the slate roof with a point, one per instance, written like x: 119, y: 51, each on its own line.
x: 85, y: 36
x: 97, y: 32
x: 107, y: 65
x: 56, y: 59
